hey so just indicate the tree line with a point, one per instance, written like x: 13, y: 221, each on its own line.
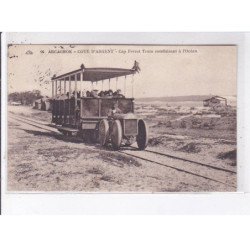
x: 26, y: 97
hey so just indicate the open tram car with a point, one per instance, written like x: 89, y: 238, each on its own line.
x: 75, y: 113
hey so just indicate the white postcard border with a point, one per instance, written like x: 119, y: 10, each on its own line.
x: 121, y: 203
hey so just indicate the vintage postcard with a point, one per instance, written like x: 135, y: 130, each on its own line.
x: 122, y: 118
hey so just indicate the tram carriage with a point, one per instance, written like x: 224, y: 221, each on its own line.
x: 88, y: 116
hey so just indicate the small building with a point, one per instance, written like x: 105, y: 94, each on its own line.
x: 42, y: 104
x: 38, y: 104
x: 45, y: 105
x: 215, y: 101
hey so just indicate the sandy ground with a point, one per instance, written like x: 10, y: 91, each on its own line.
x: 43, y: 161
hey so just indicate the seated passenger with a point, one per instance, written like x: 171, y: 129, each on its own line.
x: 83, y: 93
x: 105, y: 93
x: 118, y: 94
x: 101, y: 94
x: 94, y: 93
x: 108, y: 93
x: 63, y: 97
x: 88, y: 94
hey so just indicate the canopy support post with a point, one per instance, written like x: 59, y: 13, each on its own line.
x: 75, y: 89
x: 69, y: 97
x: 75, y: 98
x: 60, y: 84
x: 69, y: 86
x: 64, y: 102
x: 81, y: 77
x: 109, y: 83
x: 116, y: 82
x: 59, y: 102
x: 125, y: 86
x: 132, y: 86
x: 56, y: 88
x: 52, y: 89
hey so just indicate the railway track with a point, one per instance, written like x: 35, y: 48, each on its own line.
x: 191, y: 161
x: 40, y: 125
x: 194, y: 168
x: 178, y: 166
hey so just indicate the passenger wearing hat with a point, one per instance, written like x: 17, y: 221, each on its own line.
x: 94, y: 93
x: 118, y: 94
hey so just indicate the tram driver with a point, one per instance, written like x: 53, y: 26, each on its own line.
x: 114, y: 110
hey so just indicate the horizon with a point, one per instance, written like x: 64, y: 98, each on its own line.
x: 146, y: 97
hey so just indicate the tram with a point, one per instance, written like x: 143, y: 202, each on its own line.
x: 104, y: 116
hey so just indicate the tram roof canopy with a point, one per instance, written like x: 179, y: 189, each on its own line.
x: 95, y: 74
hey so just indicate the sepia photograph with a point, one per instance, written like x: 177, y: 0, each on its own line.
x: 121, y: 118
x: 135, y: 110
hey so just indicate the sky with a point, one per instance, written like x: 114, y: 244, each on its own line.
x: 165, y: 70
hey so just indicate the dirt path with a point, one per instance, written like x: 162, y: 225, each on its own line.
x: 39, y: 160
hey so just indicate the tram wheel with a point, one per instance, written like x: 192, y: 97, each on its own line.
x: 103, y: 132
x: 116, y: 134
x: 142, y: 137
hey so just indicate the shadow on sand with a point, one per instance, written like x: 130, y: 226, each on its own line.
x: 75, y: 139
